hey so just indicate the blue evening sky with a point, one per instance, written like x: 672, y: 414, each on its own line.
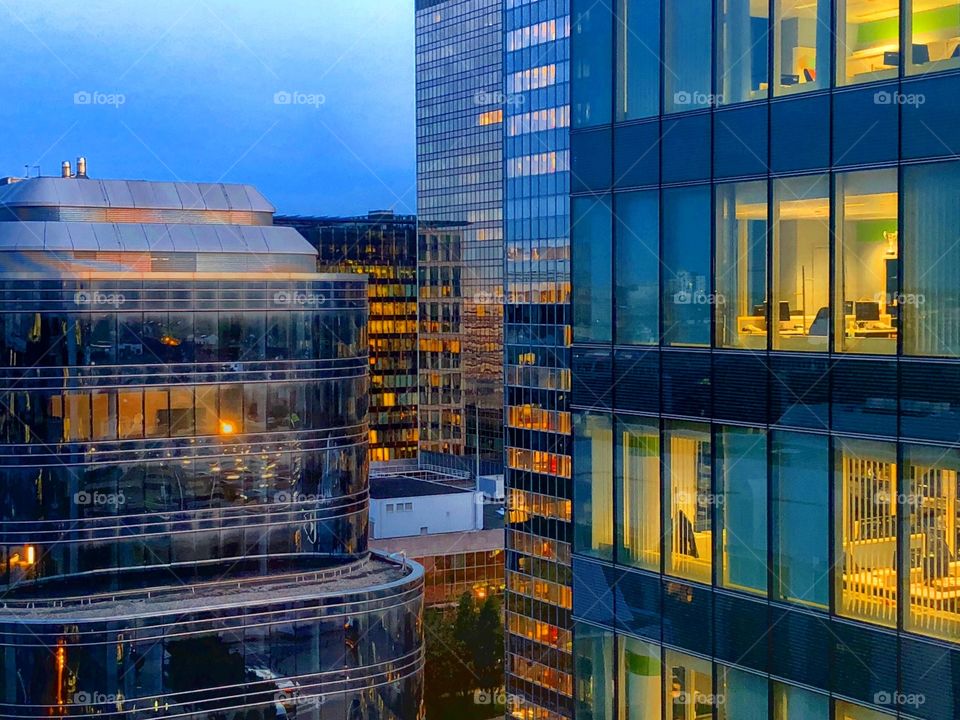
x: 312, y: 101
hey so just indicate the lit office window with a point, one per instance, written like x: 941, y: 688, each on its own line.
x: 794, y: 703
x: 638, y: 59
x: 686, y: 295
x: 868, y: 40
x: 866, y: 320
x: 744, y: 695
x: 931, y: 479
x: 849, y: 711
x: 742, y: 39
x: 594, y: 672
x: 801, y: 50
x: 687, y: 500
x: 688, y: 691
x: 742, y: 504
x: 593, y: 485
x: 800, y: 315
x: 931, y: 260
x: 590, y: 238
x: 741, y: 265
x: 637, y: 463
x: 801, y: 518
x: 637, y: 267
x: 687, y: 43
x: 639, y: 679
x: 592, y: 52
x: 934, y: 26
x: 866, y: 502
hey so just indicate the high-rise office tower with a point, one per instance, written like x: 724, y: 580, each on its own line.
x: 766, y: 384
x: 383, y: 247
x: 459, y: 49
x: 183, y: 466
x: 537, y: 358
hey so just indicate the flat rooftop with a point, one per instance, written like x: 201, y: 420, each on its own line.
x: 401, y: 486
x: 418, y: 546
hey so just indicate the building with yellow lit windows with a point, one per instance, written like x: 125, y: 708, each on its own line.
x: 383, y: 247
x: 765, y: 203
x: 183, y: 466
x: 460, y: 111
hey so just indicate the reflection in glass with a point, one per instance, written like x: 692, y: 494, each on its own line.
x: 741, y: 265
x: 593, y: 485
x: 793, y: 703
x: 637, y: 267
x: 592, y: 273
x: 868, y: 40
x: 866, y: 530
x: 801, y: 263
x: 867, y: 319
x: 801, y: 556
x: 639, y: 686
x: 931, y: 476
x: 594, y: 671
x: 742, y: 44
x: 931, y: 259
x: 688, y: 694
x: 687, y: 500
x: 638, y: 59
x: 849, y: 711
x: 638, y: 493
x: 801, y: 50
x: 934, y: 26
x: 685, y: 268
x: 592, y: 42
x: 744, y: 695
x: 687, y: 43
x: 742, y: 480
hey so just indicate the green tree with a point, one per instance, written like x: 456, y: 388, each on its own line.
x: 487, y: 646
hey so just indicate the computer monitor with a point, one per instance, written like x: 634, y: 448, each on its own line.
x: 784, y: 311
x: 867, y: 311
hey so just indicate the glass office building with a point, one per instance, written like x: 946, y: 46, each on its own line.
x: 382, y: 246
x: 539, y: 660
x: 183, y: 464
x: 766, y: 384
x: 460, y: 212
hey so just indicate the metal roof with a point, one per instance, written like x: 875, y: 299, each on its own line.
x: 144, y: 237
x: 92, y: 193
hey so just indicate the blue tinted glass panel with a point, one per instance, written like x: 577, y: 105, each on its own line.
x: 638, y: 66
x: 637, y: 270
x: 685, y: 268
x: 687, y: 50
x: 592, y: 48
x: 592, y: 269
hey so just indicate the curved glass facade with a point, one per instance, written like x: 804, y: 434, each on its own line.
x: 183, y: 488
